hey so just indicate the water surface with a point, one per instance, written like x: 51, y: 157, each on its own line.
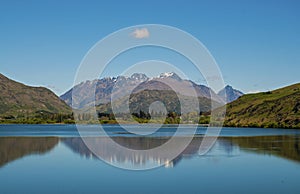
x: 53, y: 158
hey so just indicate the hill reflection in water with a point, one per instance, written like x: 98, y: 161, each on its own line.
x: 12, y: 148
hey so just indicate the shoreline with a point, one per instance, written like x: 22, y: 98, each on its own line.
x: 107, y: 124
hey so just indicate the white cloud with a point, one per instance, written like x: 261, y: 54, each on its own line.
x: 141, y: 33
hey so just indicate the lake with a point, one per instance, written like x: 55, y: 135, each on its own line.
x: 54, y: 159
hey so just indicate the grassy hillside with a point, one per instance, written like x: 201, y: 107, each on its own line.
x: 278, y: 108
x: 20, y: 101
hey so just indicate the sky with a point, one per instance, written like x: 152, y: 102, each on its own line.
x: 255, y: 43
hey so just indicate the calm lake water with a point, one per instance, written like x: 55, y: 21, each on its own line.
x: 54, y: 159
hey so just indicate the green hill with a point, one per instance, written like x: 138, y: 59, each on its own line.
x: 278, y: 108
x: 143, y: 99
x: 20, y: 101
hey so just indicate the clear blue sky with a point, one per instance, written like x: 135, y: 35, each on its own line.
x: 255, y: 43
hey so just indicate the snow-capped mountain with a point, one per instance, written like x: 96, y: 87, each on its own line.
x: 115, y: 88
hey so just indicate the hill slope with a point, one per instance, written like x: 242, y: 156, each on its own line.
x: 19, y: 100
x: 278, y: 108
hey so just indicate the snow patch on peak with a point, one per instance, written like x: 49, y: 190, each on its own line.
x: 167, y: 74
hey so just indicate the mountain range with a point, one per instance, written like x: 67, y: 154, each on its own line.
x: 109, y: 88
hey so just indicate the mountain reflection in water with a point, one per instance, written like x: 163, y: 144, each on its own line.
x: 288, y: 147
